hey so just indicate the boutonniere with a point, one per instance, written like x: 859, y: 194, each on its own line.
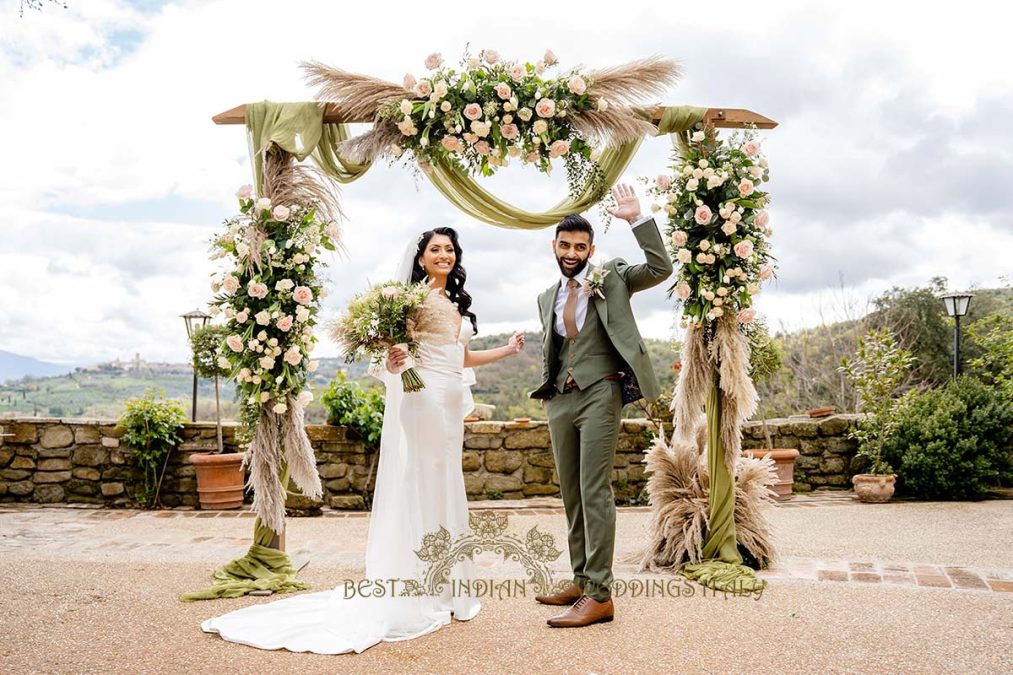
x: 594, y: 284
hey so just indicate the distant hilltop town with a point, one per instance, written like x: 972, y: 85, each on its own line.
x: 137, y: 366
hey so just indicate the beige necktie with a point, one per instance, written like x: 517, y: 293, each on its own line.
x: 570, y: 310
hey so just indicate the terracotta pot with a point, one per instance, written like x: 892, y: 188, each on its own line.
x: 784, y: 464
x: 220, y: 480
x: 873, y: 488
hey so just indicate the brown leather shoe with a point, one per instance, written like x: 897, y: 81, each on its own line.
x: 584, y: 612
x: 567, y: 597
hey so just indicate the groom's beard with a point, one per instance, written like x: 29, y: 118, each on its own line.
x: 575, y: 270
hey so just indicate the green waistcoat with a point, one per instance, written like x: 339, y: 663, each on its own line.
x: 588, y: 357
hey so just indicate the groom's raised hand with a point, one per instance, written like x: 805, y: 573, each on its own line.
x: 627, y: 205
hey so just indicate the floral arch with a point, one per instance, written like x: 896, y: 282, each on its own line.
x: 455, y: 124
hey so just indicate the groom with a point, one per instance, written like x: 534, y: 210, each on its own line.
x: 592, y: 350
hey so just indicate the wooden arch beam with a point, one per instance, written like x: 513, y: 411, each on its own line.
x: 727, y: 118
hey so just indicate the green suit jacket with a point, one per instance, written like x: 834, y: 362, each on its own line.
x: 614, y: 312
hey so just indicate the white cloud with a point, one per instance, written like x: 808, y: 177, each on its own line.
x: 114, y: 171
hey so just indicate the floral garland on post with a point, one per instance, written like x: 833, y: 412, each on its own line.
x: 491, y: 110
x: 270, y: 300
x: 718, y: 227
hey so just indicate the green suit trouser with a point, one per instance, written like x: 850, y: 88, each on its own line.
x: 584, y: 428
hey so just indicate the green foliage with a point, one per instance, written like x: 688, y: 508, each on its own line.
x: 207, y: 345
x: 766, y: 355
x: 953, y: 442
x: 877, y: 371
x: 494, y: 495
x: 994, y: 335
x: 151, y: 427
x: 348, y: 405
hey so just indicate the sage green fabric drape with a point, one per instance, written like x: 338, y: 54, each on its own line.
x: 262, y: 568
x: 465, y: 193
x: 722, y: 568
x: 299, y: 129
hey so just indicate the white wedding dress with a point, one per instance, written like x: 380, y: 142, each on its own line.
x: 419, y: 488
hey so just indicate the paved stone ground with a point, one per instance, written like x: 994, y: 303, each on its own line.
x: 899, y: 587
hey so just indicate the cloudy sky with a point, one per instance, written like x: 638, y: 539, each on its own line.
x: 892, y: 164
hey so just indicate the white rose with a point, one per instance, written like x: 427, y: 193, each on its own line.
x: 263, y: 203
x: 697, y: 136
x: 280, y: 408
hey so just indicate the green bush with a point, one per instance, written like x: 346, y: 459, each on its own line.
x: 151, y: 427
x: 953, y: 442
x: 877, y: 372
x: 349, y: 406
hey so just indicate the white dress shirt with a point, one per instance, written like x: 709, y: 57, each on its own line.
x: 582, y: 298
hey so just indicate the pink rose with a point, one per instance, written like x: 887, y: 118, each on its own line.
x: 532, y: 157
x: 577, y: 85
x: 663, y: 182
x: 762, y: 218
x: 703, y: 215
x: 256, y: 290
x: 245, y: 192
x: 409, y: 82
x: 434, y: 60
x: 303, y: 295
x: 231, y: 284
x: 235, y: 343
x: 550, y: 58
x: 509, y: 131
x: 517, y: 73
x: 390, y: 292
x: 503, y: 90
x: 679, y: 238
x: 281, y: 212
x: 473, y: 111
x: 482, y: 147
x: 423, y: 88
x: 331, y: 231
x: 285, y: 323
x: 559, y: 148
x: 747, y: 315
x: 546, y: 107
x: 491, y: 56
x: 682, y: 290
x: 451, y: 143
x: 750, y: 148
x: 744, y: 248
x: 746, y: 187
x: 293, y: 357
x: 766, y: 273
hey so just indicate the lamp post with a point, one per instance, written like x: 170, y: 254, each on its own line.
x: 195, y: 320
x: 956, y: 306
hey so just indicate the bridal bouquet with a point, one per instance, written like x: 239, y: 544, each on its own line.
x: 718, y: 226
x: 379, y: 319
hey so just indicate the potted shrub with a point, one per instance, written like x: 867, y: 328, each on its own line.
x: 220, y: 475
x: 877, y: 371
x: 151, y: 427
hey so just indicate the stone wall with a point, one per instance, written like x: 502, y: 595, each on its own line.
x: 47, y: 460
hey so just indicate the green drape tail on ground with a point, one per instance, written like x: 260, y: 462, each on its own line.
x: 722, y: 568
x: 262, y: 568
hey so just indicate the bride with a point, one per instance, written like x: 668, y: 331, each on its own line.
x: 419, y: 484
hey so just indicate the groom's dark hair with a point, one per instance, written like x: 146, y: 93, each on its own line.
x: 575, y: 223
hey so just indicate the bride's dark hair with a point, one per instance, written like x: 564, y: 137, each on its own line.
x: 457, y: 276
